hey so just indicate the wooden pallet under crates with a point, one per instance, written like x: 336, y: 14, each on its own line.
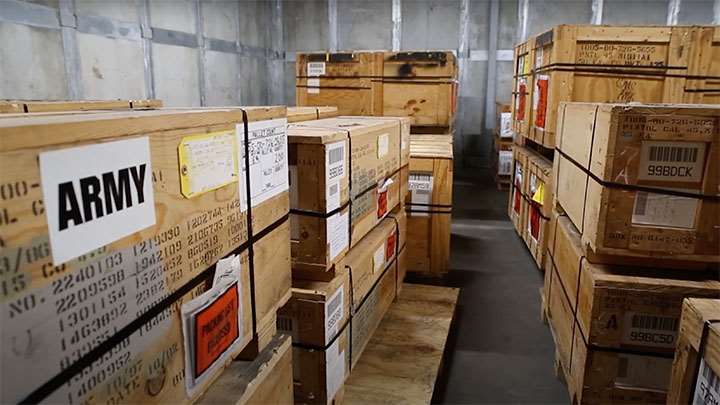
x: 429, y: 205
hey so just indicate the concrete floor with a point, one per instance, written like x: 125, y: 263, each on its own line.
x: 499, y: 352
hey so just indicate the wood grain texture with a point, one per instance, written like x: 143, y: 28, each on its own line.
x: 34, y: 106
x: 402, y: 360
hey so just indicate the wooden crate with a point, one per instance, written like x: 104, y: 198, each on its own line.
x: 177, y: 231
x: 299, y: 114
x: 621, y: 307
x: 622, y: 199
x: 346, y: 80
x: 616, y: 64
x: 33, y: 106
x: 503, y: 121
x: 148, y: 364
x: 522, y: 88
x: 538, y: 197
x: 597, y: 376
x: 696, y: 367
x: 429, y: 205
x: 336, y: 202
x: 268, y: 379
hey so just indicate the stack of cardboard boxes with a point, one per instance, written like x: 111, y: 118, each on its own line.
x: 144, y: 251
x: 635, y: 230
x: 419, y: 85
x: 348, y: 235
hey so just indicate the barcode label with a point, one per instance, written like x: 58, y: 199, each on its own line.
x: 655, y: 322
x: 333, y: 314
x: 334, y: 172
x: 647, y: 330
x: 672, y: 161
x: 335, y: 155
x: 673, y: 154
x: 315, y: 68
x: 421, y: 187
x: 707, y: 387
x: 640, y: 203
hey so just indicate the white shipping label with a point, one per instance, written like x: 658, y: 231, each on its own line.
x: 379, y: 258
x: 96, y: 194
x: 383, y: 144
x: 505, y: 162
x: 268, y: 157
x: 505, y: 125
x: 334, y: 314
x: 421, y: 187
x: 213, y: 325
x: 707, y: 386
x: 664, y: 210
x: 672, y: 161
x: 337, y: 230
x: 313, y: 90
x: 334, y: 172
x: 335, y: 369
x: 315, y: 68
x: 650, y: 330
x: 313, y: 86
x: 538, y: 57
x: 208, y: 162
x: 643, y: 371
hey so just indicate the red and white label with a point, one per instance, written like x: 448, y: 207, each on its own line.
x: 540, y: 99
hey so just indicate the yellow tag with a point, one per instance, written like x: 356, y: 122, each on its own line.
x: 539, y: 195
x: 207, y: 162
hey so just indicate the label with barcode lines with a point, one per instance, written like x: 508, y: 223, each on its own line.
x: 650, y: 330
x: 421, y: 187
x: 672, y: 161
x: 334, y: 172
x: 707, y: 386
x: 640, y: 203
x: 334, y: 314
x: 662, y: 210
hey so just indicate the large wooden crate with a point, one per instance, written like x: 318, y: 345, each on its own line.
x: 517, y: 205
x: 268, y: 379
x: 697, y: 360
x: 617, y: 64
x: 642, y: 180
x: 112, y: 263
x: 419, y: 85
x: 345, y: 177
x: 429, y: 205
x: 621, y: 307
x: 522, y: 89
x: 36, y: 106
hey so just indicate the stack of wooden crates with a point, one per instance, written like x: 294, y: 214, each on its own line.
x: 348, y: 179
x: 146, y: 254
x: 421, y: 86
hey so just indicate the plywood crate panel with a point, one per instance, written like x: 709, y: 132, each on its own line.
x: 338, y: 195
x: 697, y: 360
x: 175, y: 231
x: 621, y: 307
x: 150, y: 363
x: 429, y: 205
x: 268, y: 379
x: 597, y: 376
x: 614, y: 64
x: 37, y: 106
x: 648, y: 178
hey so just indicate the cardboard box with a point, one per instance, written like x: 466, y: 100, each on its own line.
x: 429, y: 205
x: 345, y: 177
x: 621, y: 307
x: 120, y: 213
x: 642, y: 180
x: 697, y: 361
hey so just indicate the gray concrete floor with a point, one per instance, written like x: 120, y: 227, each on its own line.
x: 499, y: 352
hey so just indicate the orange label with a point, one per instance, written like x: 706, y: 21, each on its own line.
x: 534, y: 224
x: 522, y: 93
x: 541, y: 98
x: 390, y: 246
x: 216, y: 328
x: 382, y: 204
x: 516, y: 203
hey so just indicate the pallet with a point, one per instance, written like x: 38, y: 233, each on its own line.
x: 402, y: 360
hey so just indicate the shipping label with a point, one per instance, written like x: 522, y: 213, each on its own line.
x: 96, y: 194
x: 379, y: 258
x: 505, y: 158
x: 505, y: 127
x: 334, y: 314
x: 520, y: 99
x: 207, y: 162
x: 540, y: 99
x: 334, y: 173
x: 707, y: 386
x: 335, y: 370
x: 672, y: 161
x: 662, y: 210
x: 640, y: 329
x: 338, y: 238
x: 383, y: 145
x: 268, y: 157
x: 390, y: 244
x: 382, y: 198
x: 213, y: 325
x: 313, y: 86
x: 421, y: 188
x: 315, y: 68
